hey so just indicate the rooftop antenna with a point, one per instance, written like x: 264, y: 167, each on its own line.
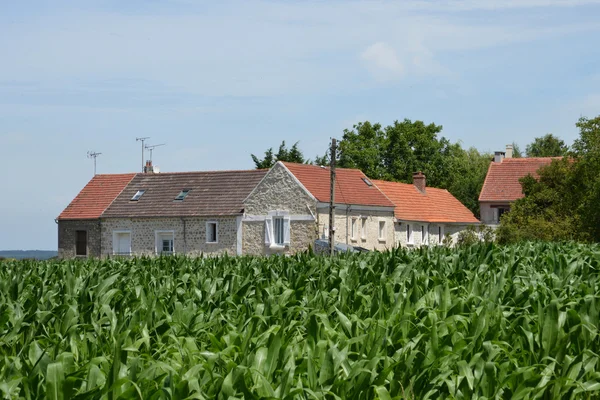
x: 150, y: 148
x: 94, y: 155
x: 142, y: 139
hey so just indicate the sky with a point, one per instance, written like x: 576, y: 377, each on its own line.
x: 217, y: 81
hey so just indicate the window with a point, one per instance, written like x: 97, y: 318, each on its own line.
x: 278, y: 230
x: 212, y: 232
x: 409, y: 238
x: 363, y: 228
x: 440, y: 234
x: 182, y: 194
x: 501, y: 212
x: 121, y: 243
x: 81, y: 243
x: 138, y: 194
x: 368, y: 182
x: 354, y: 229
x: 381, y: 230
x: 165, y: 242
x: 423, y: 234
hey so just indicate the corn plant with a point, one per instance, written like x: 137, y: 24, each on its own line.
x: 478, y: 322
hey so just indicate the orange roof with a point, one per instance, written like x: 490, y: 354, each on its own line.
x: 96, y: 196
x: 350, y: 187
x: 502, y: 179
x: 435, y: 205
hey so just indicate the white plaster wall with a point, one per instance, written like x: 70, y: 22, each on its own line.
x: 192, y: 242
x: 432, y: 236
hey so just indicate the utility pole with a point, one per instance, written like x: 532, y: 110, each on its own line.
x: 93, y: 154
x: 142, y: 139
x: 332, y: 198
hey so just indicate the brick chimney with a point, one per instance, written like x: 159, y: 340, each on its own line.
x: 419, y: 181
x: 148, y: 169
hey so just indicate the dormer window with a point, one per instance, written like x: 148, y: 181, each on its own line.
x: 137, y: 196
x: 182, y: 195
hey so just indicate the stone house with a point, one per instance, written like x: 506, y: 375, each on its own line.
x: 289, y: 209
x: 502, y: 187
x: 425, y: 215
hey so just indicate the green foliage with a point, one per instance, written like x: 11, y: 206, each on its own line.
x: 516, y: 150
x: 283, y: 154
x: 547, y: 146
x: 481, y: 321
x: 474, y: 234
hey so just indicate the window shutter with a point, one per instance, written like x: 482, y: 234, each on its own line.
x: 268, y: 231
x: 286, y: 230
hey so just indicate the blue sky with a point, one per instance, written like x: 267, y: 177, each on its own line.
x: 217, y: 81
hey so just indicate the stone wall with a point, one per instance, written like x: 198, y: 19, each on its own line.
x: 343, y: 227
x: 431, y: 236
x: 67, y: 237
x: 189, y: 234
x: 279, y: 190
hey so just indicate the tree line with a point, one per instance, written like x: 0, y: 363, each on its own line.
x: 396, y: 151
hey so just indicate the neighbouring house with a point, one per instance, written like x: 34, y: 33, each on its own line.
x: 151, y: 213
x: 502, y: 187
x: 289, y: 209
x: 425, y: 215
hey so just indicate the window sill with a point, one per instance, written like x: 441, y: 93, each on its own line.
x: 381, y: 240
x: 212, y: 242
x: 277, y: 247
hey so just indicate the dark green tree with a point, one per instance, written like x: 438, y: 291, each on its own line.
x: 516, y: 150
x: 547, y: 146
x: 283, y: 154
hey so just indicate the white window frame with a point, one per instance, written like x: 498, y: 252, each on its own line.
x: 410, y: 236
x: 363, y: 228
x: 116, y: 233
x: 354, y: 228
x: 270, y: 229
x: 382, y: 230
x: 216, y: 223
x: 160, y: 234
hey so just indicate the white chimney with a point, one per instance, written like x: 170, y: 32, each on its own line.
x: 509, y: 151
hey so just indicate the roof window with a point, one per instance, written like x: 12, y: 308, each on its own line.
x: 138, y: 194
x: 367, y: 181
x: 182, y: 194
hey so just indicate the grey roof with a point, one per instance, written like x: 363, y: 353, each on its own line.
x: 212, y: 193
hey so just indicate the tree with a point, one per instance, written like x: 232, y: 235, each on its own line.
x: 283, y: 154
x: 547, y: 146
x: 516, y: 150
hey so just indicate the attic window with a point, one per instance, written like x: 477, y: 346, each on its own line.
x: 367, y: 181
x: 182, y: 194
x: 138, y: 194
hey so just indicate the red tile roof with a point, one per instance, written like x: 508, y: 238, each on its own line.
x: 502, y: 179
x: 350, y: 188
x: 96, y: 196
x: 435, y: 205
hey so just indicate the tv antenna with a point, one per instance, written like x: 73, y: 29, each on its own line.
x: 151, y: 147
x: 94, y: 155
x: 142, y: 139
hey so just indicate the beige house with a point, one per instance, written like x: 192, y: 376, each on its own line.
x: 425, y: 215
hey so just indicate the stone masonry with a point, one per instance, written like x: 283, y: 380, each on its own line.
x: 67, y: 236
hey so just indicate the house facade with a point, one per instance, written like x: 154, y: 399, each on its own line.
x: 501, y: 187
x: 424, y: 215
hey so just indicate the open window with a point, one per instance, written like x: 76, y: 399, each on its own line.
x: 122, y: 243
x: 165, y: 242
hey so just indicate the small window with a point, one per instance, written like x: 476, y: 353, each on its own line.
x: 165, y: 242
x: 423, y: 234
x: 409, y: 238
x: 81, y: 243
x: 367, y: 181
x: 278, y: 231
x: 138, y: 194
x: 502, y: 211
x: 121, y: 243
x: 381, y: 230
x: 440, y: 234
x: 167, y: 246
x: 182, y: 195
x: 354, y: 229
x: 363, y: 228
x: 211, y: 232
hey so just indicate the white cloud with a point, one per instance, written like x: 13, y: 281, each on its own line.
x: 383, y: 62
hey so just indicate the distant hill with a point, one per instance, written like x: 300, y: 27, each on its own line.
x: 20, y: 254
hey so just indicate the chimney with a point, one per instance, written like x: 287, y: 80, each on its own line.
x: 148, y: 169
x: 419, y: 181
x: 509, y: 151
x: 498, y: 156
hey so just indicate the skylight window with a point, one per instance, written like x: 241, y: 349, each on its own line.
x: 182, y: 194
x: 368, y: 182
x: 137, y: 196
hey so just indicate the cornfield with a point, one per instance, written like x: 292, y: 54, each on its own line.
x: 484, y: 322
